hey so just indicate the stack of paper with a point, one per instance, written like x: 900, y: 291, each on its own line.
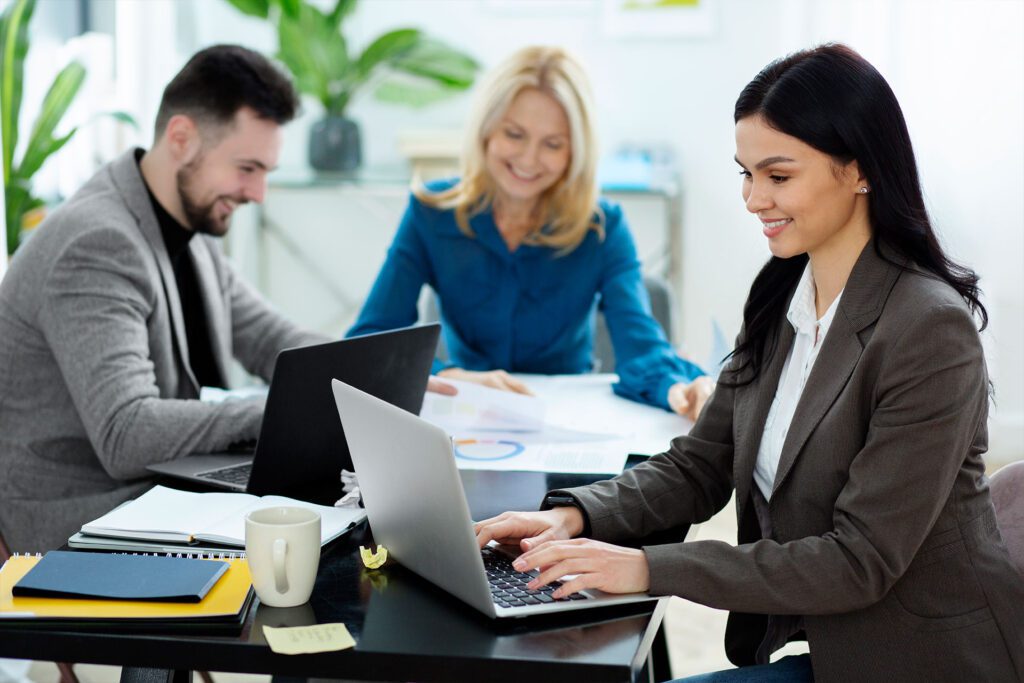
x: 480, y: 408
x: 555, y: 431
x: 575, y: 423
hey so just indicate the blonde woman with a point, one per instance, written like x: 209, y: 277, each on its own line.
x: 521, y: 247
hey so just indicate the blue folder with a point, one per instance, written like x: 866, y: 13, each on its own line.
x: 63, y: 574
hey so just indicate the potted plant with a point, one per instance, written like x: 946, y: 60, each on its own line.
x: 14, y: 45
x: 403, y: 66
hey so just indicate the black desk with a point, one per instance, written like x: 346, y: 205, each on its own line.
x: 405, y: 628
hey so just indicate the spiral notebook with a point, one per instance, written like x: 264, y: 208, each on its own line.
x: 222, y: 611
x: 184, y: 517
x: 80, y: 541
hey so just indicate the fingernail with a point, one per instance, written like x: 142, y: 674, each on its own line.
x: 519, y: 564
x: 531, y: 585
x: 527, y: 544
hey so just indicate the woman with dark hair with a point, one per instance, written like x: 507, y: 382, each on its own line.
x: 850, y: 422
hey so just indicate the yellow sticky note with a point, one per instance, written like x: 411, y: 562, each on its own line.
x: 300, y: 640
x: 373, y: 560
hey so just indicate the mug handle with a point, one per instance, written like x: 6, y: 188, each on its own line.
x: 280, y: 576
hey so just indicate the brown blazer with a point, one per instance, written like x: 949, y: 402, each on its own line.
x: 885, y: 537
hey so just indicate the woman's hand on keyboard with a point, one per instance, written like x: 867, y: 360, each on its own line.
x: 530, y: 529
x: 592, y: 564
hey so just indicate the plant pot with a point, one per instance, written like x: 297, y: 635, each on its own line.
x: 335, y: 145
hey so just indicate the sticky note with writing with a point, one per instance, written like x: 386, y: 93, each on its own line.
x: 299, y: 640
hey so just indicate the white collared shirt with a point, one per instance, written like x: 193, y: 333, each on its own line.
x: 810, y: 335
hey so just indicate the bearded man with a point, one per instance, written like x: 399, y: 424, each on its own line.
x: 120, y: 307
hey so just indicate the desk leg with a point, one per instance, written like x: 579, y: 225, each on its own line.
x: 658, y: 666
x: 131, y: 674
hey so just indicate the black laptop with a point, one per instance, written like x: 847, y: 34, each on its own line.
x: 302, y: 448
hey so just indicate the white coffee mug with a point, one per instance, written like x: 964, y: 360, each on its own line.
x: 282, y: 545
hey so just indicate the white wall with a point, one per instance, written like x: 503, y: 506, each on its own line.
x: 956, y: 66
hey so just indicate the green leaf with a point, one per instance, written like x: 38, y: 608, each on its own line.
x: 18, y: 200
x: 412, y: 92
x: 41, y: 143
x: 254, y: 8
x: 386, y: 48
x: 13, y: 48
x: 338, y: 101
x: 122, y: 117
x: 28, y: 166
x: 46, y: 149
x: 314, y: 51
x: 290, y: 8
x: 434, y: 60
x: 342, y: 9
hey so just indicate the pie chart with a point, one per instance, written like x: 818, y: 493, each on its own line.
x: 487, y: 449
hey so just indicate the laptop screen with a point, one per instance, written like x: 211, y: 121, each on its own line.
x: 302, y: 448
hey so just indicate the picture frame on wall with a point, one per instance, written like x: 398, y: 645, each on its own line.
x: 659, y: 18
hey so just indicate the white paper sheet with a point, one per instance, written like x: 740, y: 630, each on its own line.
x: 586, y: 428
x: 587, y: 403
x: 477, y: 407
x: 508, y: 452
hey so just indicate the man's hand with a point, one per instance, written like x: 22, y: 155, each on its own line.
x: 496, y: 379
x: 689, y: 399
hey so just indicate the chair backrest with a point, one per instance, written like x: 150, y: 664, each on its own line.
x: 430, y: 312
x: 1007, y: 486
x: 661, y: 307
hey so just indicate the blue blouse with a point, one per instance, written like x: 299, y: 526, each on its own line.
x: 529, y: 310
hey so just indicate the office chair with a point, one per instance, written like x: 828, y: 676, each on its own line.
x: 1007, y: 486
x: 661, y: 308
x: 430, y: 312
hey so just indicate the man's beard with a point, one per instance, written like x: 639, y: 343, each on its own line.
x: 201, y: 217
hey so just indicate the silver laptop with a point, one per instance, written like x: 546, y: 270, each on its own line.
x: 418, y: 510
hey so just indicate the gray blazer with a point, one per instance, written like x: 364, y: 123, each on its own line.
x: 95, y: 381
x: 885, y: 538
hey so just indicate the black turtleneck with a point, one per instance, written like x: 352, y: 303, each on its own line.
x: 197, y: 327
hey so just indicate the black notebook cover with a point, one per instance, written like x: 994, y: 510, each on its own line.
x: 63, y: 574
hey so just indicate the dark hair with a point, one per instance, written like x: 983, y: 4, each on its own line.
x: 832, y: 99
x: 222, y: 79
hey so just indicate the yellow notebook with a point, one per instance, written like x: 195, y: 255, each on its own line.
x: 227, y: 601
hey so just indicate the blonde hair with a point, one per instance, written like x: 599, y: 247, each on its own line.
x: 569, y: 208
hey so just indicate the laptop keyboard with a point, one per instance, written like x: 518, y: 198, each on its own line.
x: 235, y: 474
x: 508, y: 586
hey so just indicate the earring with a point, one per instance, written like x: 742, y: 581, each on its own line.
x: 863, y: 190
